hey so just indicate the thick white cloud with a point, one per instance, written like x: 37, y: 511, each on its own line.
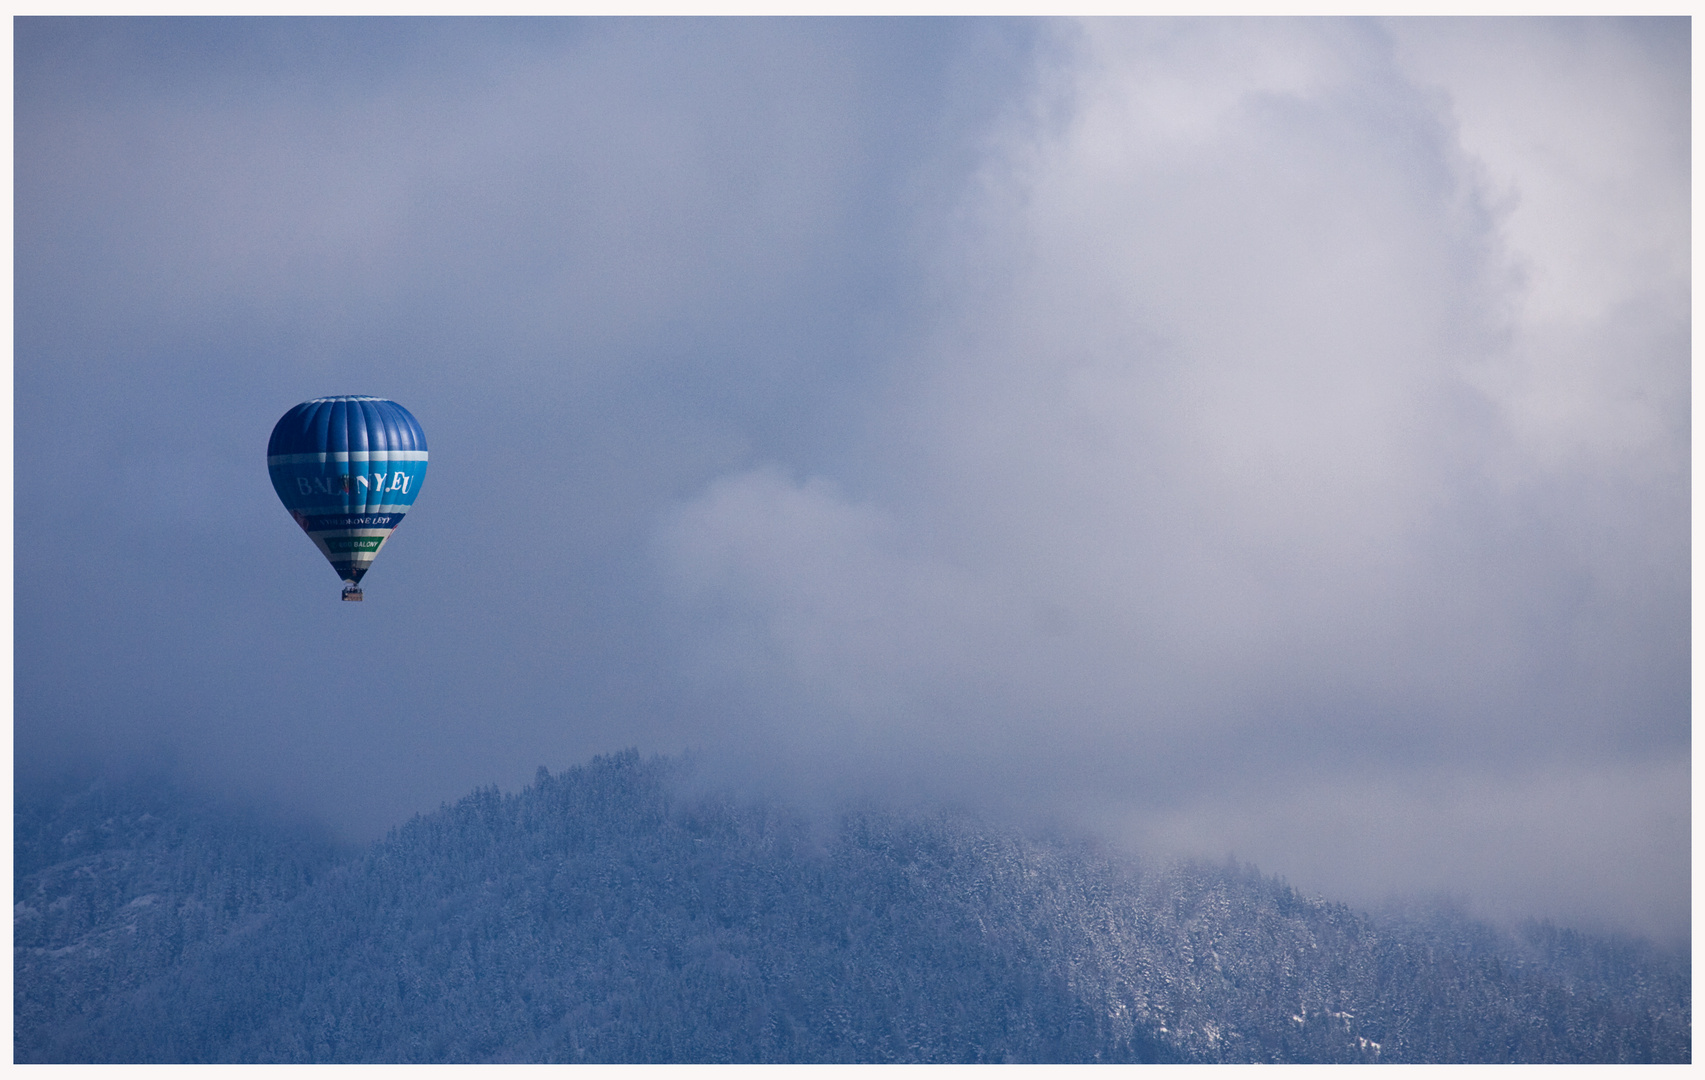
x: 1306, y: 411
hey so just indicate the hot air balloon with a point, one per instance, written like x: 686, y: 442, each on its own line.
x: 347, y: 469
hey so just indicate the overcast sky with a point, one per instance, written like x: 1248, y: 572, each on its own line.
x: 1261, y: 437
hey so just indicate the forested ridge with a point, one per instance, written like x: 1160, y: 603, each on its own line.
x: 606, y: 914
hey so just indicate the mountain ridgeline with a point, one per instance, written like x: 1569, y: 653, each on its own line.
x: 604, y: 914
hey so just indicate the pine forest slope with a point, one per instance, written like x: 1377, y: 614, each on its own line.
x: 602, y: 914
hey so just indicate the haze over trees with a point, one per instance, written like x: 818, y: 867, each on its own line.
x: 609, y: 913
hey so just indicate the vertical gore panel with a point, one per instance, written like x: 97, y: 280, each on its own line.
x: 373, y: 413
x: 391, y: 415
x: 340, y: 427
x: 319, y: 427
x: 359, y: 427
x: 417, y: 435
x: 388, y: 421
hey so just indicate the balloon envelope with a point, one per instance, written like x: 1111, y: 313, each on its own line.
x: 347, y: 469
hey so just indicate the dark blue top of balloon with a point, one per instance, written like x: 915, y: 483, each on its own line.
x: 340, y: 424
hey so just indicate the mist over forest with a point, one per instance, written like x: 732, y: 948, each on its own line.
x: 1236, y: 462
x: 610, y: 913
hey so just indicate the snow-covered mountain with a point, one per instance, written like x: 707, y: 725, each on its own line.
x: 606, y: 914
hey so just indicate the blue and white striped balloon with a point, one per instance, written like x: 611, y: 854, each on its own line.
x: 348, y: 469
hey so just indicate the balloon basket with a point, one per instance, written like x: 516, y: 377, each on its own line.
x: 352, y: 592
